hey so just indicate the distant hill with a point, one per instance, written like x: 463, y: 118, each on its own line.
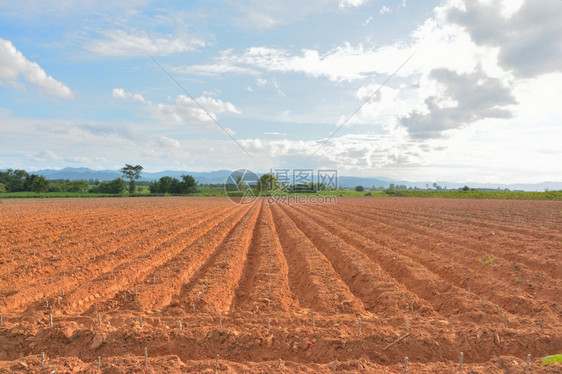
x: 219, y: 176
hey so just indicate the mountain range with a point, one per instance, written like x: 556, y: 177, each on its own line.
x: 219, y: 177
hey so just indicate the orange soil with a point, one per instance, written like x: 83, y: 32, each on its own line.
x: 279, y: 288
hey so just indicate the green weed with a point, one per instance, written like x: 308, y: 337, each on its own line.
x: 549, y: 360
x: 488, y: 261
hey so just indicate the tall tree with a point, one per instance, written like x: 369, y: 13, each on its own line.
x: 268, y: 182
x: 38, y: 184
x: 188, y: 183
x: 132, y: 173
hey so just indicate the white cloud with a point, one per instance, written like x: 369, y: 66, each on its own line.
x: 59, y: 143
x: 345, y: 63
x: 351, y: 153
x: 47, y: 156
x: 384, y: 10
x: 465, y: 99
x: 120, y: 43
x: 351, y: 3
x: 437, y: 44
x: 13, y: 65
x: 184, y: 110
x: 278, y: 87
x: 119, y: 93
x: 218, y: 68
x: 528, y: 34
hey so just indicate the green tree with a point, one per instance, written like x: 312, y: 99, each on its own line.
x: 175, y: 187
x: 14, y: 180
x: 154, y: 187
x: 132, y: 173
x: 2, y: 188
x: 268, y: 182
x: 188, y: 184
x: 165, y: 185
x: 116, y: 186
x: 77, y: 186
x: 38, y: 184
x: 359, y: 188
x: 56, y: 187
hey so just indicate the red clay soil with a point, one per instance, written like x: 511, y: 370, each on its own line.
x: 205, y: 285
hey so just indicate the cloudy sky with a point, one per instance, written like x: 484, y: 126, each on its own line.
x: 452, y: 90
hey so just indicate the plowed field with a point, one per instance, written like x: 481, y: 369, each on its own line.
x: 163, y: 285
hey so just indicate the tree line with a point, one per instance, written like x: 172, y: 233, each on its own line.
x: 17, y: 180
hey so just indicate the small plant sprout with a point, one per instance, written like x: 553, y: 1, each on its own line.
x: 335, y: 365
x: 405, y: 365
x: 460, y: 361
x: 141, y: 324
x: 145, y: 357
x: 99, y: 363
x: 217, y: 363
x: 407, y: 324
x: 99, y: 319
x: 51, y: 319
x: 528, y: 367
x: 43, y: 359
x: 313, y: 322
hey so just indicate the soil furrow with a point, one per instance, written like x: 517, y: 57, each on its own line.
x: 264, y: 285
x: 212, y: 286
x: 311, y: 275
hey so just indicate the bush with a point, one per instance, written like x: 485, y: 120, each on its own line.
x: 116, y: 186
x: 169, y: 185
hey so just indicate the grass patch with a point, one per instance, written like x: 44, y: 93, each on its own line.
x: 457, y: 194
x: 554, y: 359
x: 47, y: 195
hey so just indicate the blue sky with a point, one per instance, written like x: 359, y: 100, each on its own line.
x: 478, y: 100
